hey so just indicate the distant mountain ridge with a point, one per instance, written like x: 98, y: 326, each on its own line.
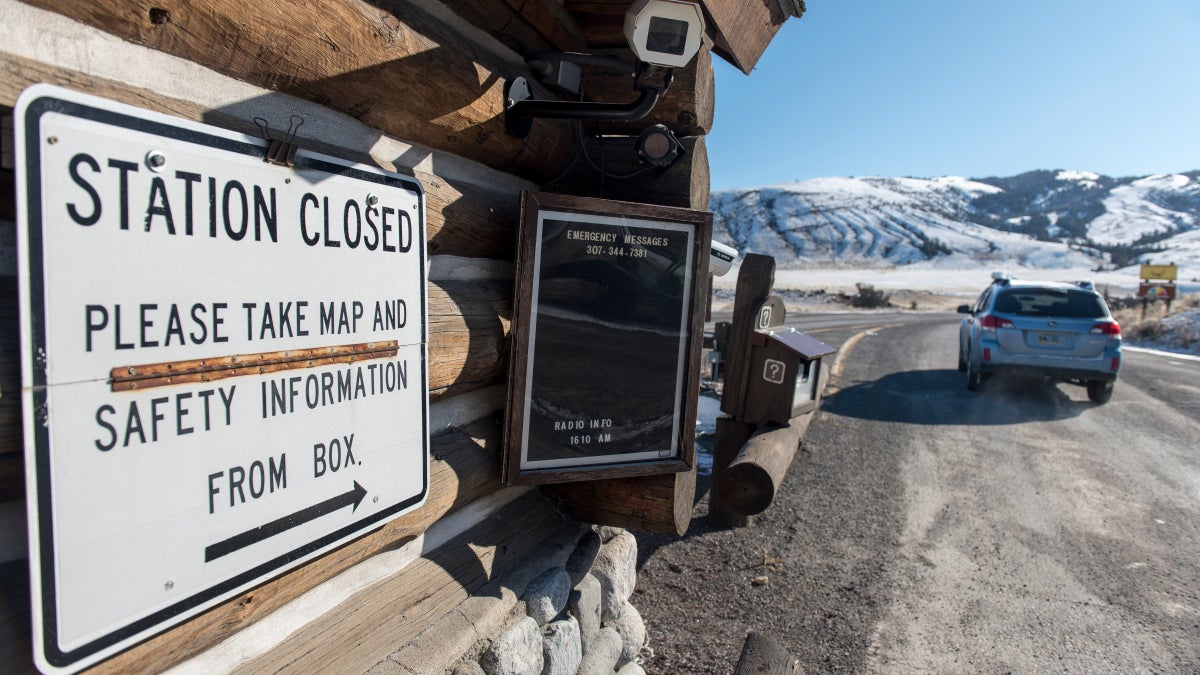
x: 1043, y: 219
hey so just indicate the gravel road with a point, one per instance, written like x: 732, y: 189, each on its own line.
x: 926, y: 529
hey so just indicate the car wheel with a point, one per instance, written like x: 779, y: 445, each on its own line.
x: 974, y: 377
x: 962, y: 363
x: 1099, y: 392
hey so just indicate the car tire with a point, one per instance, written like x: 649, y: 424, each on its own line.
x: 962, y: 363
x: 1099, y: 392
x: 974, y: 377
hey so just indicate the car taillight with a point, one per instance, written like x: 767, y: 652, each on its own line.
x: 1107, y: 328
x: 1116, y: 364
x: 992, y: 322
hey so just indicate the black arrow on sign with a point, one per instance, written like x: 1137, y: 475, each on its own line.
x: 240, y: 541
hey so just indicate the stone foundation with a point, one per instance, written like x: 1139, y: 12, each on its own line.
x: 572, y: 617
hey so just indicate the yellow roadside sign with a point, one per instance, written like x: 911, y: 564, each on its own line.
x: 1159, y: 272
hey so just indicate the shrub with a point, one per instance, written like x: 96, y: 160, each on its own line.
x: 1150, y: 327
x: 1150, y: 330
x: 869, y: 297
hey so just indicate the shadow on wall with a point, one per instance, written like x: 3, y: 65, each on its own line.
x: 935, y: 397
x: 463, y: 218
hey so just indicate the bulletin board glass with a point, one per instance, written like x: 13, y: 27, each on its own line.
x: 607, y: 333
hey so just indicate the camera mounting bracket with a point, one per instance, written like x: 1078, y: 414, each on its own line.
x: 520, y: 108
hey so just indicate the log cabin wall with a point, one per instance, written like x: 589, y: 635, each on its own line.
x: 413, y: 86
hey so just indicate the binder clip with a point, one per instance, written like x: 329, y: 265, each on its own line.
x: 281, y: 152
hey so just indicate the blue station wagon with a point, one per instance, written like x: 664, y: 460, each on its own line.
x: 1058, y: 331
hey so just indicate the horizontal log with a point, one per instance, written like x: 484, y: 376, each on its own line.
x: 602, y: 21
x: 661, y: 503
x: 390, y: 65
x: 685, y: 183
x: 465, y: 214
x: 465, y: 468
x: 468, y: 220
x: 524, y: 26
x: 742, y: 30
x: 686, y: 108
x: 469, y: 324
x: 366, y: 628
x: 751, y: 481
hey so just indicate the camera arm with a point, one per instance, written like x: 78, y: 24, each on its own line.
x: 521, y: 108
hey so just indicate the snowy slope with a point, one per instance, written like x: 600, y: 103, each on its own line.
x: 1041, y: 219
x: 1147, y: 206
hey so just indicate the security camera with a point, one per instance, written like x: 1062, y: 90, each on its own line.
x: 720, y: 258
x: 664, y: 32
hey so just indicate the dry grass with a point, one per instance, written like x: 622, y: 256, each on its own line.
x: 1150, y: 328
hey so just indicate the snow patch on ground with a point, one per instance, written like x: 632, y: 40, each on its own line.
x: 1131, y: 211
x: 707, y: 412
x: 949, y: 277
x: 1181, y: 334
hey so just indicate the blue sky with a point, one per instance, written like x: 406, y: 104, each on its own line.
x: 960, y: 87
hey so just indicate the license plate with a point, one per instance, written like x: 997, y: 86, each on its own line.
x: 1049, y: 339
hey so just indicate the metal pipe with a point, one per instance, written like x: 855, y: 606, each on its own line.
x: 586, y: 110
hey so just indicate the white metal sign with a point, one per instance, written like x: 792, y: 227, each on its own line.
x: 223, y: 364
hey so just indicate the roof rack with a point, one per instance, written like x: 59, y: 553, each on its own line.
x: 1086, y: 285
x: 1001, y: 278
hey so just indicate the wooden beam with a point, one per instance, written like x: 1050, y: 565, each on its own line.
x: 742, y: 30
x: 469, y: 324
x: 686, y: 108
x: 750, y: 482
x: 366, y: 628
x: 749, y: 479
x: 755, y: 279
x: 661, y: 504
x: 603, y: 21
x: 685, y: 183
x: 524, y: 26
x: 390, y: 65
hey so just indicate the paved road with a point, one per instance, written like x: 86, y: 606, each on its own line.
x: 1039, y: 531
x: 924, y: 528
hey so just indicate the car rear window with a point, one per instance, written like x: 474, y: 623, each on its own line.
x: 1050, y: 302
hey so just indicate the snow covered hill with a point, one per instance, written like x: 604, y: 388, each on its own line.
x: 1038, y: 220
